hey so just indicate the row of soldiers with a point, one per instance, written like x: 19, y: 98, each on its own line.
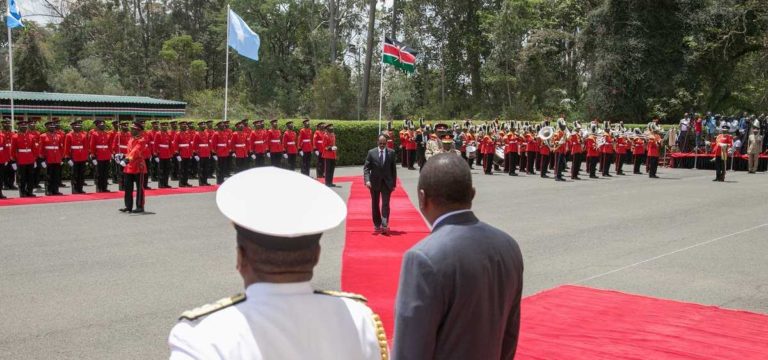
x: 174, y: 149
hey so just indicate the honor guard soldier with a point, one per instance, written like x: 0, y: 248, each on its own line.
x: 174, y: 163
x: 654, y: 151
x: 577, y: 151
x: 212, y: 164
x: 305, y: 146
x: 220, y: 142
x: 487, y: 150
x: 163, y: 152
x: 99, y: 146
x: 239, y: 145
x: 120, y: 148
x: 390, y: 133
x: 76, y: 155
x: 202, y: 151
x: 290, y: 146
x: 9, y: 179
x: 113, y: 132
x: 5, y: 160
x: 275, y: 142
x: 638, y: 153
x: 318, y: 140
x: 134, y: 169
x: 511, y: 151
x: 721, y: 149
x: 154, y: 168
x: 148, y: 140
x: 51, y: 155
x: 280, y: 315
x: 258, y: 141
x: 24, y: 152
x: 329, y: 155
x: 561, y: 149
x: 544, y: 156
x: 182, y: 144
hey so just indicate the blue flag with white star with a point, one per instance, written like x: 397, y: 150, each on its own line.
x: 13, y: 17
x: 242, y: 38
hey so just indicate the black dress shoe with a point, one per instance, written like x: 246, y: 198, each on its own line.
x: 593, y: 177
x: 138, y: 211
x: 653, y: 177
x: 57, y: 194
x: 544, y: 176
x: 3, y: 197
x: 513, y: 174
x: 607, y: 175
x: 559, y: 179
x: 13, y: 188
x: 125, y: 210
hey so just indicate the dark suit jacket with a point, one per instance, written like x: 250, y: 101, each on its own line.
x: 380, y: 175
x: 459, y: 294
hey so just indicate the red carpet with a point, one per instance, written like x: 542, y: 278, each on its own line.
x: 371, y: 263
x: 571, y: 322
x: 41, y: 199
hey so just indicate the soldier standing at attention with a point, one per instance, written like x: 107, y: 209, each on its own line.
x: 317, y: 141
x: 51, y: 155
x: 202, y: 150
x: 220, y: 142
x: 135, y: 169
x: 305, y: 147
x: 76, y: 155
x: 290, y: 146
x: 163, y: 151
x: 99, y: 145
x: 183, y: 146
x: 275, y: 142
x: 258, y: 141
x: 239, y: 145
x: 329, y: 155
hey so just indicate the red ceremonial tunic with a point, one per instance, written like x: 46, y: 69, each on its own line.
x: 163, y: 147
x: 329, y: 141
x: 76, y: 146
x: 638, y: 147
x: 289, y: 142
x: 543, y: 148
x: 274, y: 141
x: 653, y: 146
x: 220, y: 143
x: 24, y: 148
x: 202, y: 144
x: 99, y: 145
x: 305, y: 140
x: 574, y: 142
x: 511, y: 142
x: 258, y: 141
x: 239, y: 144
x: 607, y: 148
x: 591, y: 145
x: 52, y: 148
x: 135, y: 155
x: 120, y: 142
x: 622, y: 145
x: 319, y: 141
x: 487, y: 146
x: 5, y: 150
x: 721, y: 139
x: 183, y: 144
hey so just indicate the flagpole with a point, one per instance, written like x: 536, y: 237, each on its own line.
x: 10, y: 66
x: 226, y: 76
x: 381, y: 83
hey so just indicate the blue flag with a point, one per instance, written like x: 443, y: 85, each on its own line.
x: 242, y: 38
x: 13, y: 17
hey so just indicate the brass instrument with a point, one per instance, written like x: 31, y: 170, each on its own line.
x: 545, y: 134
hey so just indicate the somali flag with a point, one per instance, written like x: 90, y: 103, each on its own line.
x: 13, y: 16
x: 242, y: 38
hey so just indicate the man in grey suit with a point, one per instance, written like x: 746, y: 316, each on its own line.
x: 380, y: 173
x: 460, y: 287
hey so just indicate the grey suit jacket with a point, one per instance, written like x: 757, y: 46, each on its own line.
x: 459, y: 294
x: 380, y: 175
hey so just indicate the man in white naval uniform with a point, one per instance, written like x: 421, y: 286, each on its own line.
x: 280, y: 316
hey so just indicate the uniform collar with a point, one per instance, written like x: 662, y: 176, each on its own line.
x: 270, y: 289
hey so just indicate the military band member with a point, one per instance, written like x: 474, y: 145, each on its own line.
x: 622, y: 145
x: 329, y: 155
x: 238, y: 143
x: 318, y: 140
x: 577, y: 152
x: 134, y: 170
x: 560, y: 144
x: 721, y: 149
x: 305, y: 146
x: 275, y: 143
x: 76, y: 155
x: 638, y: 154
x: 487, y: 150
x: 202, y: 153
x: 220, y: 142
x: 654, y: 150
x: 290, y: 145
x: 607, y: 153
x: 511, y: 152
x: 593, y: 152
x: 9, y: 180
x: 162, y: 153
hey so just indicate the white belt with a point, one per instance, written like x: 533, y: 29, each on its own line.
x: 78, y: 147
x: 291, y: 143
x: 183, y: 145
x: 2, y: 148
x: 202, y: 145
x: 321, y: 142
x: 258, y: 142
x: 304, y: 140
x: 275, y: 141
x: 51, y: 148
x: 25, y: 150
x: 102, y: 147
x: 222, y: 145
x: 239, y: 145
x: 123, y: 146
x: 163, y: 146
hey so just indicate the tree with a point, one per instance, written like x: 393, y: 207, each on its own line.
x: 331, y: 94
x: 180, y: 55
x: 368, y: 55
x: 31, y: 60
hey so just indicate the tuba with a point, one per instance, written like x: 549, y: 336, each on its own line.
x: 545, y: 134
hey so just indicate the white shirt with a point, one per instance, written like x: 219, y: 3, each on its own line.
x: 442, y: 217
x: 282, y: 322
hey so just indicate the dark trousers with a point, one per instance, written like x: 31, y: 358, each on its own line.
x: 511, y: 162
x: 576, y: 165
x: 523, y: 161
x: 222, y: 169
x: 165, y: 172
x: 203, y: 170
x: 606, y: 164
x: 306, y: 161
x: 174, y: 168
x: 213, y: 166
x: 131, y: 180
x: 470, y: 161
x: 116, y: 172
x: 330, y: 168
x: 260, y: 160
x: 544, y: 164
x: 559, y: 165
x: 26, y: 177
x: 78, y: 176
x: 9, y: 179
x: 276, y: 159
x: 411, y: 157
x: 592, y: 165
x: 54, y: 179
x: 154, y: 169
x: 720, y: 167
x: 185, y: 167
x: 478, y: 159
x: 404, y: 157
x: 653, y: 164
x: 37, y: 173
x: 531, y: 161
x: 291, y: 165
x: 241, y: 164
x: 3, y: 173
x: 102, y: 175
x: 488, y: 163
x: 638, y: 160
x: 120, y: 176
x: 148, y: 164
x: 620, y: 158
x: 320, y: 170
x: 380, y: 213
x: 420, y: 156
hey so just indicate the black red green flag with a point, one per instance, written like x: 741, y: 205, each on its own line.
x: 399, y: 55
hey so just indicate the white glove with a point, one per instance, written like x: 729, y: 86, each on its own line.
x: 14, y: 167
x: 34, y: 165
x: 215, y: 158
x: 71, y: 163
x: 44, y: 165
x: 301, y: 153
x: 178, y: 158
x: 122, y: 163
x: 334, y: 148
x: 95, y: 162
x: 317, y: 153
x: 269, y: 155
x: 197, y: 158
x: 253, y: 156
x: 157, y: 160
x: 285, y: 156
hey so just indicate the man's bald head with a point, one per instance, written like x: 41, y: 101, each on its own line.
x: 445, y: 182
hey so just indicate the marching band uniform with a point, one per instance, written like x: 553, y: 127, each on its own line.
x: 51, y: 154
x: 182, y: 144
x: 531, y: 148
x: 487, y: 149
x: 621, y: 153
x: 638, y: 150
x: 577, y: 154
x: 511, y: 152
x: 305, y: 147
x: 258, y: 141
x: 410, y: 148
x: 544, y: 152
x: 654, y: 143
x: 318, y: 140
x: 76, y: 151
x: 723, y: 143
x: 329, y: 155
x: 134, y: 171
x: 290, y: 146
x: 607, y: 153
x: 592, y: 156
x: 275, y: 141
x: 561, y: 151
x: 202, y: 149
x: 469, y: 140
x: 220, y: 141
x: 163, y: 151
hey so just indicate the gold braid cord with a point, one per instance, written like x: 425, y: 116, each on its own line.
x: 382, y: 336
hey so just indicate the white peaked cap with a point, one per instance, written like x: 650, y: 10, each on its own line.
x: 280, y: 203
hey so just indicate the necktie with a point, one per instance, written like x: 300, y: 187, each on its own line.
x: 381, y: 157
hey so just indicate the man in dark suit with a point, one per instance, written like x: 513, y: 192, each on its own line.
x: 460, y: 287
x: 381, y: 178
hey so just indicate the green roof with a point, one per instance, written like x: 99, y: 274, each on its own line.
x: 61, y: 97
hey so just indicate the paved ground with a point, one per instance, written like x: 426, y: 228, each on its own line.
x: 82, y: 281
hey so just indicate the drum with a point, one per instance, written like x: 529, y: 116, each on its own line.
x: 498, y: 157
x: 471, y: 151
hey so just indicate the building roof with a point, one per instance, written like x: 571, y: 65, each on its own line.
x: 42, y: 103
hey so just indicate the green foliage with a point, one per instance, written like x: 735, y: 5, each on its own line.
x: 180, y: 57
x: 31, y: 60
x: 331, y: 94
x: 89, y: 77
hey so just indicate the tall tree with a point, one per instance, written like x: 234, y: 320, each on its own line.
x: 371, y: 33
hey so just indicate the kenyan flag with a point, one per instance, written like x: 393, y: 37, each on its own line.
x: 399, y: 55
